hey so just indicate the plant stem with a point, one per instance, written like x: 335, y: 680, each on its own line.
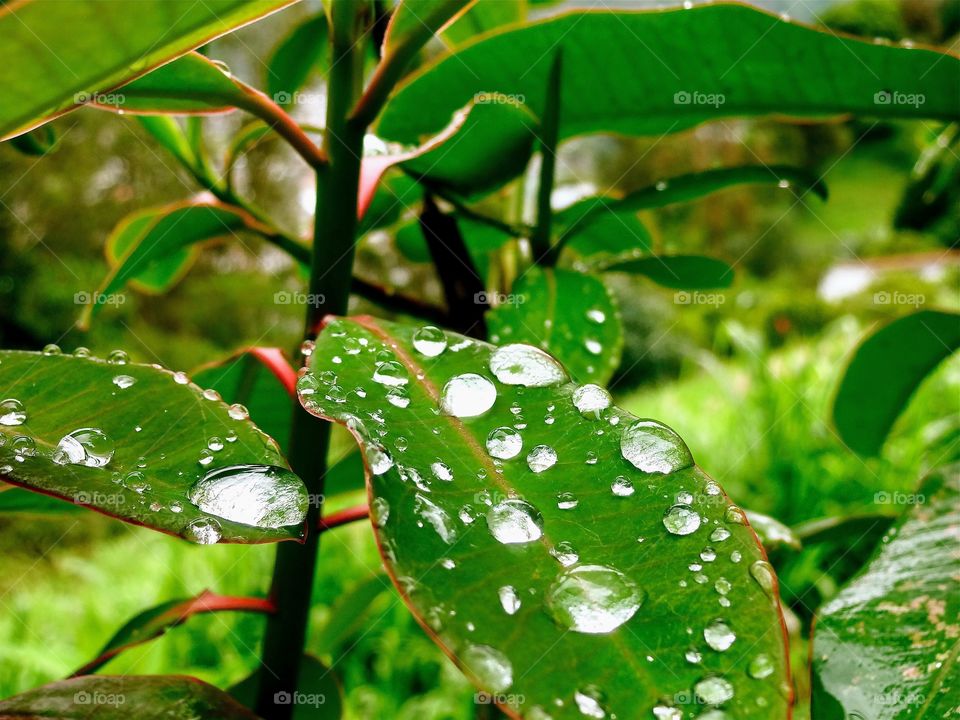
x: 550, y: 129
x: 331, y: 270
x: 343, y: 517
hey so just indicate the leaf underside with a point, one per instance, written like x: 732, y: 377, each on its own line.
x: 438, y: 541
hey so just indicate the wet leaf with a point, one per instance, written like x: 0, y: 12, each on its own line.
x: 546, y: 563
x: 133, y: 441
x: 606, y: 239
x: 681, y: 272
x: 17, y: 500
x: 569, y: 314
x: 295, y: 57
x: 706, y: 63
x: 52, y: 59
x: 885, y: 647
x: 151, y: 697
x: 884, y: 373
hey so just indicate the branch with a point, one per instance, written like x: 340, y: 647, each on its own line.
x: 550, y: 129
x: 343, y: 517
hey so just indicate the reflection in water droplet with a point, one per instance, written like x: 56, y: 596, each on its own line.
x: 735, y: 515
x: 490, y: 667
x: 763, y: 573
x: 654, y: 448
x: 12, y: 412
x: 719, y: 534
x: 589, y: 400
x: 379, y: 511
x: 515, y: 522
x: 124, y: 381
x: 377, y: 457
x: 203, y: 531
x: 391, y: 373
x: 118, y: 357
x: 504, y: 443
x: 760, y: 667
x: 567, y: 501
x: 622, y: 487
x: 467, y: 395
x: 525, y: 365
x: 681, y: 520
x: 180, y: 378
x: 85, y: 446
x: 52, y: 349
x: 565, y: 553
x: 430, y: 341
x: 541, y: 458
x: 260, y: 495
x: 719, y: 635
x: 714, y: 690
x: 23, y: 446
x: 437, y: 517
x: 509, y: 599
x: 593, y: 599
x: 238, y: 412
x: 590, y: 702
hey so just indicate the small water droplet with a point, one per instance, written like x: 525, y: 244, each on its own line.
x: 118, y: 357
x: 760, y: 667
x: 52, y: 349
x: 490, y: 667
x: 597, y: 316
x: 180, y: 378
x: 259, y: 495
x: 593, y: 346
x: 681, y: 520
x: 593, y: 599
x: 203, y: 531
x: 590, y: 400
x: 541, y: 458
x: 238, y: 412
x: 437, y: 517
x: 23, y: 446
x: 565, y: 553
x: 467, y: 395
x: 722, y: 586
x: 515, y: 522
x: 590, y: 702
x: 176, y: 507
x: 391, y: 374
x: 654, y: 448
x: 525, y: 365
x: 81, y: 352
x: 441, y: 471
x: 567, y: 501
x: 211, y: 394
x: 734, y: 515
x: 714, y: 690
x: 763, y: 573
x: 622, y: 487
x: 215, y: 444
x: 693, y: 657
x: 307, y: 347
x: 378, y: 459
x: 504, y: 443
x: 429, y: 341
x: 124, y: 381
x: 12, y: 412
x: 719, y: 534
x: 708, y: 554
x: 509, y: 599
x: 719, y: 635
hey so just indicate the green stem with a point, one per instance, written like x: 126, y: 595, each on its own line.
x: 331, y: 270
x: 550, y: 129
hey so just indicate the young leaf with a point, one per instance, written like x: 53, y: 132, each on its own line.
x: 681, y: 272
x: 149, y: 697
x: 554, y: 561
x: 161, y: 274
x: 168, y: 231
x: 710, y: 62
x: 569, y: 314
x: 299, y: 53
x: 886, y: 645
x: 884, y: 372
x: 153, y: 623
x: 54, y: 58
x: 137, y: 442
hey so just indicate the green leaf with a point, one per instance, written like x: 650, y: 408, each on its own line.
x: 348, y: 613
x: 160, y: 275
x: 149, y: 697
x: 482, y: 549
x: 36, y: 142
x: 260, y: 379
x: 886, y: 645
x: 190, y: 85
x: 710, y: 62
x: 170, y: 230
x: 18, y: 500
x: 773, y: 534
x: 295, y: 57
x: 569, y: 314
x: 607, y: 237
x: 170, y: 135
x: 319, y: 692
x: 152, y: 623
x: 884, y: 372
x: 681, y: 272
x: 52, y: 55
x: 158, y: 428
x: 414, y: 22
x: 482, y: 17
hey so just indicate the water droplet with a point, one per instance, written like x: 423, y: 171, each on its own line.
x: 719, y: 635
x: 708, y: 554
x: 490, y: 667
x: 307, y: 347
x: 654, y: 448
x: 205, y: 458
x: 719, y: 534
x: 525, y: 365
x: 735, y: 556
x: 760, y: 667
x: 441, y: 471
x: 566, y: 501
x: 378, y: 459
x: 124, y: 381
x: 12, y: 412
x: 565, y: 553
x: 590, y: 701
x: 215, y: 444
x: 430, y: 341
x: 52, y: 349
x: 437, y: 517
x: 509, y: 599
x: 596, y: 316
x: 81, y: 352
x: 23, y: 446
x: 231, y: 437
x: 622, y: 487
x: 514, y: 522
x: 238, y: 412
x: 176, y: 507
x: 118, y: 357
x: 85, y: 446
x: 693, y: 657
x: 590, y: 400
x: 135, y: 481
x: 541, y: 458
x: 504, y: 443
x: 260, y: 495
x: 681, y: 520
x: 763, y: 573
x: 391, y: 373
x: 396, y: 396
x: 467, y: 395
x: 211, y: 394
x: 593, y: 599
x: 203, y: 531
x: 684, y: 498
x: 714, y: 690
x: 722, y: 586
x: 593, y: 346
x: 735, y: 515
x: 662, y: 185
x: 180, y: 378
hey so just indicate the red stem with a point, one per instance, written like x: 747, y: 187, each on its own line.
x: 343, y: 517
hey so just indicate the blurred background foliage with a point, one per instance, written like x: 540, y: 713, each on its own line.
x: 747, y: 380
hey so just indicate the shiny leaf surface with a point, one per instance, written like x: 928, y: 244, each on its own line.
x: 552, y: 568
x: 681, y: 272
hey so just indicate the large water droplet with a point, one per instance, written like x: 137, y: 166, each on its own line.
x: 719, y: 635
x: 515, y: 521
x: 430, y: 341
x: 525, y: 365
x: 593, y: 599
x: 504, y: 443
x: 85, y: 446
x: 654, y: 448
x: 681, y: 520
x: 541, y: 458
x: 467, y: 395
x: 760, y: 667
x: 509, y: 599
x: 259, y: 495
x: 203, y: 531
x: 490, y: 667
x: 590, y: 400
x: 714, y: 690
x: 12, y: 412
